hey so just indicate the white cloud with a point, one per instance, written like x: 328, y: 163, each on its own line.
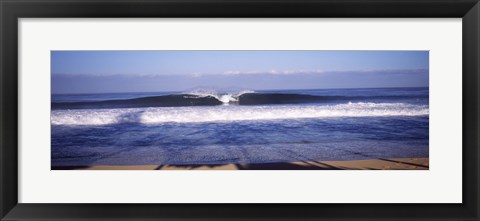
x: 292, y: 72
x: 272, y: 72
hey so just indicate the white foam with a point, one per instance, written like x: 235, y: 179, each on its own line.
x: 230, y: 113
x: 225, y: 97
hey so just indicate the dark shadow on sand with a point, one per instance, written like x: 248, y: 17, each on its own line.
x: 259, y: 166
x: 286, y: 166
x: 401, y: 162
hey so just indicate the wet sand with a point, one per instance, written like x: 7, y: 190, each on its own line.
x: 372, y: 164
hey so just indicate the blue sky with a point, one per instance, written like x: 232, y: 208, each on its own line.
x: 148, y: 71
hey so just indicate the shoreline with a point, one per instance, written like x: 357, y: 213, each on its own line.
x: 371, y: 164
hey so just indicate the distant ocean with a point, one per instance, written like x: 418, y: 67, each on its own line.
x: 214, y: 127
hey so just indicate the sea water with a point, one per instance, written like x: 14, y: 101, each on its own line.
x: 215, y: 127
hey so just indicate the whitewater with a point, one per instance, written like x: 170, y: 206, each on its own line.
x: 232, y: 113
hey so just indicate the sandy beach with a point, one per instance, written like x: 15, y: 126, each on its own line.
x: 372, y: 164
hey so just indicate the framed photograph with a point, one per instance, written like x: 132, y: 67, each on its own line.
x: 147, y: 110
x: 239, y: 110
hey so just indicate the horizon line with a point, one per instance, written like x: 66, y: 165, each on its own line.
x: 242, y: 89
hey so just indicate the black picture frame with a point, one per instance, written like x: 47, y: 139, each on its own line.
x: 12, y: 10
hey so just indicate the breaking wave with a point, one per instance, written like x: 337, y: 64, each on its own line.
x: 159, y: 115
x: 212, y: 98
x: 225, y: 98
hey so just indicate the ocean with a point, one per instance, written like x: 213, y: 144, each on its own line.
x: 206, y: 127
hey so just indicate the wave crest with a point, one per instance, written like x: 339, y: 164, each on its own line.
x: 159, y: 115
x: 224, y: 97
